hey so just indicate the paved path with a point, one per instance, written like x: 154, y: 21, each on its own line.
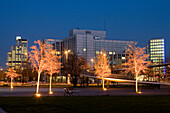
x: 26, y: 91
x: 2, y: 111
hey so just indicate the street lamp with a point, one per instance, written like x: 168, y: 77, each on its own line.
x: 92, y: 62
x: 66, y: 53
x: 27, y: 65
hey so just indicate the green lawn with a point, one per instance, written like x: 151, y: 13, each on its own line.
x: 97, y: 104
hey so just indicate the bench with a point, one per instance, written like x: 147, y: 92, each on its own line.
x: 68, y: 92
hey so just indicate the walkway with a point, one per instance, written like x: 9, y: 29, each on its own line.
x: 20, y: 91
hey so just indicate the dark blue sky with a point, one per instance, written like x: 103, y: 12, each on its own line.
x: 138, y: 20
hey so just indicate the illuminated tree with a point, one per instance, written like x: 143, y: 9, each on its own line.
x: 102, y: 67
x: 53, y: 63
x: 136, y: 61
x: 12, y: 74
x: 37, y: 59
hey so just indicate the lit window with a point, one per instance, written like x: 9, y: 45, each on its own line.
x: 123, y: 58
x: 84, y: 49
x: 110, y: 53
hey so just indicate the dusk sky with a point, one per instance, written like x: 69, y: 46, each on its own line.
x: 138, y: 20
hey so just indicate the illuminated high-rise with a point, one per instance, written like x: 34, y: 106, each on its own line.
x: 156, y: 49
x: 17, y: 57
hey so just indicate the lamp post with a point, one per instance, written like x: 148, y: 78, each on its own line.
x: 27, y: 66
x: 67, y: 77
x: 66, y: 53
x: 104, y: 54
x: 92, y: 62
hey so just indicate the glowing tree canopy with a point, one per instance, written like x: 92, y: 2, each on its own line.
x: 136, y: 61
x: 37, y: 58
x: 102, y: 67
x: 53, y: 63
x: 12, y: 74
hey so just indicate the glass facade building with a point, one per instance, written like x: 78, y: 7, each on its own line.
x: 17, y: 57
x: 156, y: 49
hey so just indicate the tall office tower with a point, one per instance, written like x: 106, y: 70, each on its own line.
x: 17, y: 57
x: 156, y: 49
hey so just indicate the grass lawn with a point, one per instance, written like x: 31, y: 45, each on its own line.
x: 96, y: 104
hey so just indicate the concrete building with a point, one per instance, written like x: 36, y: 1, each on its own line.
x: 89, y: 43
x: 17, y: 57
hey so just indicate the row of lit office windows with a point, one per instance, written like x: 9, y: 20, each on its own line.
x: 110, y: 53
x: 157, y: 55
x: 158, y: 61
x: 156, y: 44
x: 157, y: 52
x: 153, y: 58
x: 158, y: 40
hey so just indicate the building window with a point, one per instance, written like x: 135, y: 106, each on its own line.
x: 84, y: 49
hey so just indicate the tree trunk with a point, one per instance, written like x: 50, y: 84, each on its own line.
x: 103, y: 83
x: 11, y: 82
x: 50, y: 82
x: 87, y: 81
x: 97, y: 82
x: 75, y: 81
x: 136, y: 83
x: 108, y: 83
x: 38, y: 82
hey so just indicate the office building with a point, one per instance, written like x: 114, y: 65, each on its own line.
x: 89, y: 43
x: 17, y: 57
x: 156, y: 49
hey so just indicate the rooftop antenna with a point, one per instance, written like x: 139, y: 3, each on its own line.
x: 104, y: 25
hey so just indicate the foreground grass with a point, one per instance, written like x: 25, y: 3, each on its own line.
x: 100, y: 104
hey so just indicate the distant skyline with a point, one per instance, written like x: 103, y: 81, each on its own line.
x: 138, y: 20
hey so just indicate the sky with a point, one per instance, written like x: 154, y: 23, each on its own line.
x: 138, y: 20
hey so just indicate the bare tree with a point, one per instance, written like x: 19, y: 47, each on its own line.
x: 75, y: 65
x: 37, y: 59
x: 102, y: 67
x: 136, y: 61
x: 12, y: 74
x: 53, y: 63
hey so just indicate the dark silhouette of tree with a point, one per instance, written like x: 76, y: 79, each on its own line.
x: 2, y: 75
x: 74, y: 66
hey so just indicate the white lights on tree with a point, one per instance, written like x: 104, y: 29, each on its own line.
x: 102, y: 67
x: 136, y: 63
